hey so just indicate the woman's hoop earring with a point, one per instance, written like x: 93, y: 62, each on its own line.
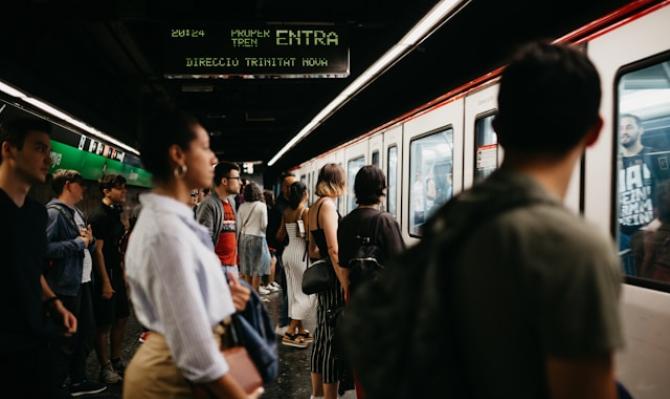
x: 180, y: 171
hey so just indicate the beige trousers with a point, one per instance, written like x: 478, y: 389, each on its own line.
x: 153, y: 374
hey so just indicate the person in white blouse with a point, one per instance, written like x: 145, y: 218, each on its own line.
x: 177, y: 288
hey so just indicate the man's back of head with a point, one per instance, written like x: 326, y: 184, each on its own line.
x: 548, y: 100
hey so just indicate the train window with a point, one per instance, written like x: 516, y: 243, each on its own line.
x: 643, y: 171
x: 375, y: 158
x: 486, y: 148
x: 430, y: 159
x: 392, y: 179
x: 310, y: 189
x: 353, y: 166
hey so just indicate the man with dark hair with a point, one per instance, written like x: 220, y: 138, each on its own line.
x: 217, y: 214
x: 110, y: 298
x: 69, y: 274
x: 528, y: 291
x: 25, y: 157
x: 538, y: 276
x: 637, y: 184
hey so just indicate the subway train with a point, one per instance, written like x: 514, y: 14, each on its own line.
x: 446, y: 145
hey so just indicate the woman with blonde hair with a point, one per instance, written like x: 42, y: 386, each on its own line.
x: 323, y: 218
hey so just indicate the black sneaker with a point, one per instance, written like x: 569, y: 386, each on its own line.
x: 86, y: 388
x: 119, y: 366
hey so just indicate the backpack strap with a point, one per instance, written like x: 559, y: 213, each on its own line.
x: 69, y: 217
x: 251, y: 211
x: 373, y: 230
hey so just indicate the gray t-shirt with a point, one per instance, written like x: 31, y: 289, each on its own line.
x: 533, y: 283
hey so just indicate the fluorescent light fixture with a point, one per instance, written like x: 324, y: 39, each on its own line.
x: 7, y: 89
x: 422, y: 30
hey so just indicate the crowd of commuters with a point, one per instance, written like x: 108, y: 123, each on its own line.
x: 67, y: 273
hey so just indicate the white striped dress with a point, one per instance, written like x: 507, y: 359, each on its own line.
x: 300, y: 305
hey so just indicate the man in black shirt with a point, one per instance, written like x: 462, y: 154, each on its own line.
x: 636, y: 180
x: 110, y: 299
x: 25, y: 150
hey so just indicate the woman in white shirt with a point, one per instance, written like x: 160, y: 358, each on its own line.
x: 252, y: 221
x: 177, y: 287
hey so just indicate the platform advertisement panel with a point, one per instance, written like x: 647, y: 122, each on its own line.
x: 93, y: 166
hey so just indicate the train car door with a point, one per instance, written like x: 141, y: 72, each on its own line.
x: 355, y: 157
x: 482, y: 153
x: 392, y: 162
x: 375, y: 144
x: 626, y: 181
x: 432, y: 164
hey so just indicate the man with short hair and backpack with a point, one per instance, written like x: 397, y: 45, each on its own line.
x: 509, y: 294
x: 367, y: 237
x: 70, y: 241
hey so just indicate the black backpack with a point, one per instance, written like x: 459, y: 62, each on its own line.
x: 365, y: 265
x: 396, y: 329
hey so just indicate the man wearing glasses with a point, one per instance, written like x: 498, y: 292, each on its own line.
x: 218, y: 214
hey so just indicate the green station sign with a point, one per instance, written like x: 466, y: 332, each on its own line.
x: 93, y: 166
x: 256, y: 51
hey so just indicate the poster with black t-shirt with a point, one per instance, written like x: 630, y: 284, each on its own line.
x: 106, y: 223
x: 636, y: 192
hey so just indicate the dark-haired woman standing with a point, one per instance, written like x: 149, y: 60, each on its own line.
x: 178, y: 290
x: 300, y: 305
x: 367, y: 220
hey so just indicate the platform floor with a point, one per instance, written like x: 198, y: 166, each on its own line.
x: 292, y: 383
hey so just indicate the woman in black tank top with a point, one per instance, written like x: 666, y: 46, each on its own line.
x: 327, y: 368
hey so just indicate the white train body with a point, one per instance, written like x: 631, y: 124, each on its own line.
x: 447, y: 143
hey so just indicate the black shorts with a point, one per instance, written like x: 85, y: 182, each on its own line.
x: 107, y: 311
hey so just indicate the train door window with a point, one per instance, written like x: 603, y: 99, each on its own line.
x: 392, y: 178
x: 486, y: 148
x: 310, y: 189
x: 643, y: 170
x: 353, y: 166
x: 431, y: 176
x: 375, y: 158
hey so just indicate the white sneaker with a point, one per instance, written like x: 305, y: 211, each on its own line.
x: 276, y: 285
x: 263, y: 291
x: 265, y: 299
x: 281, y: 330
x: 272, y: 288
x: 108, y: 375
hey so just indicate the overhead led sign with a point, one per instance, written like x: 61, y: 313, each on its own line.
x: 267, y: 51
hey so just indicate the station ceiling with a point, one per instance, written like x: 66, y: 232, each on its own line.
x: 103, y: 63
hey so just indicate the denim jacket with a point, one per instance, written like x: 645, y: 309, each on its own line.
x: 65, y: 250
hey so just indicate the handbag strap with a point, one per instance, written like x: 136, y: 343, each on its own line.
x: 251, y: 211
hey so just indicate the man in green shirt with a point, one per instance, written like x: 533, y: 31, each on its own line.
x: 536, y: 289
